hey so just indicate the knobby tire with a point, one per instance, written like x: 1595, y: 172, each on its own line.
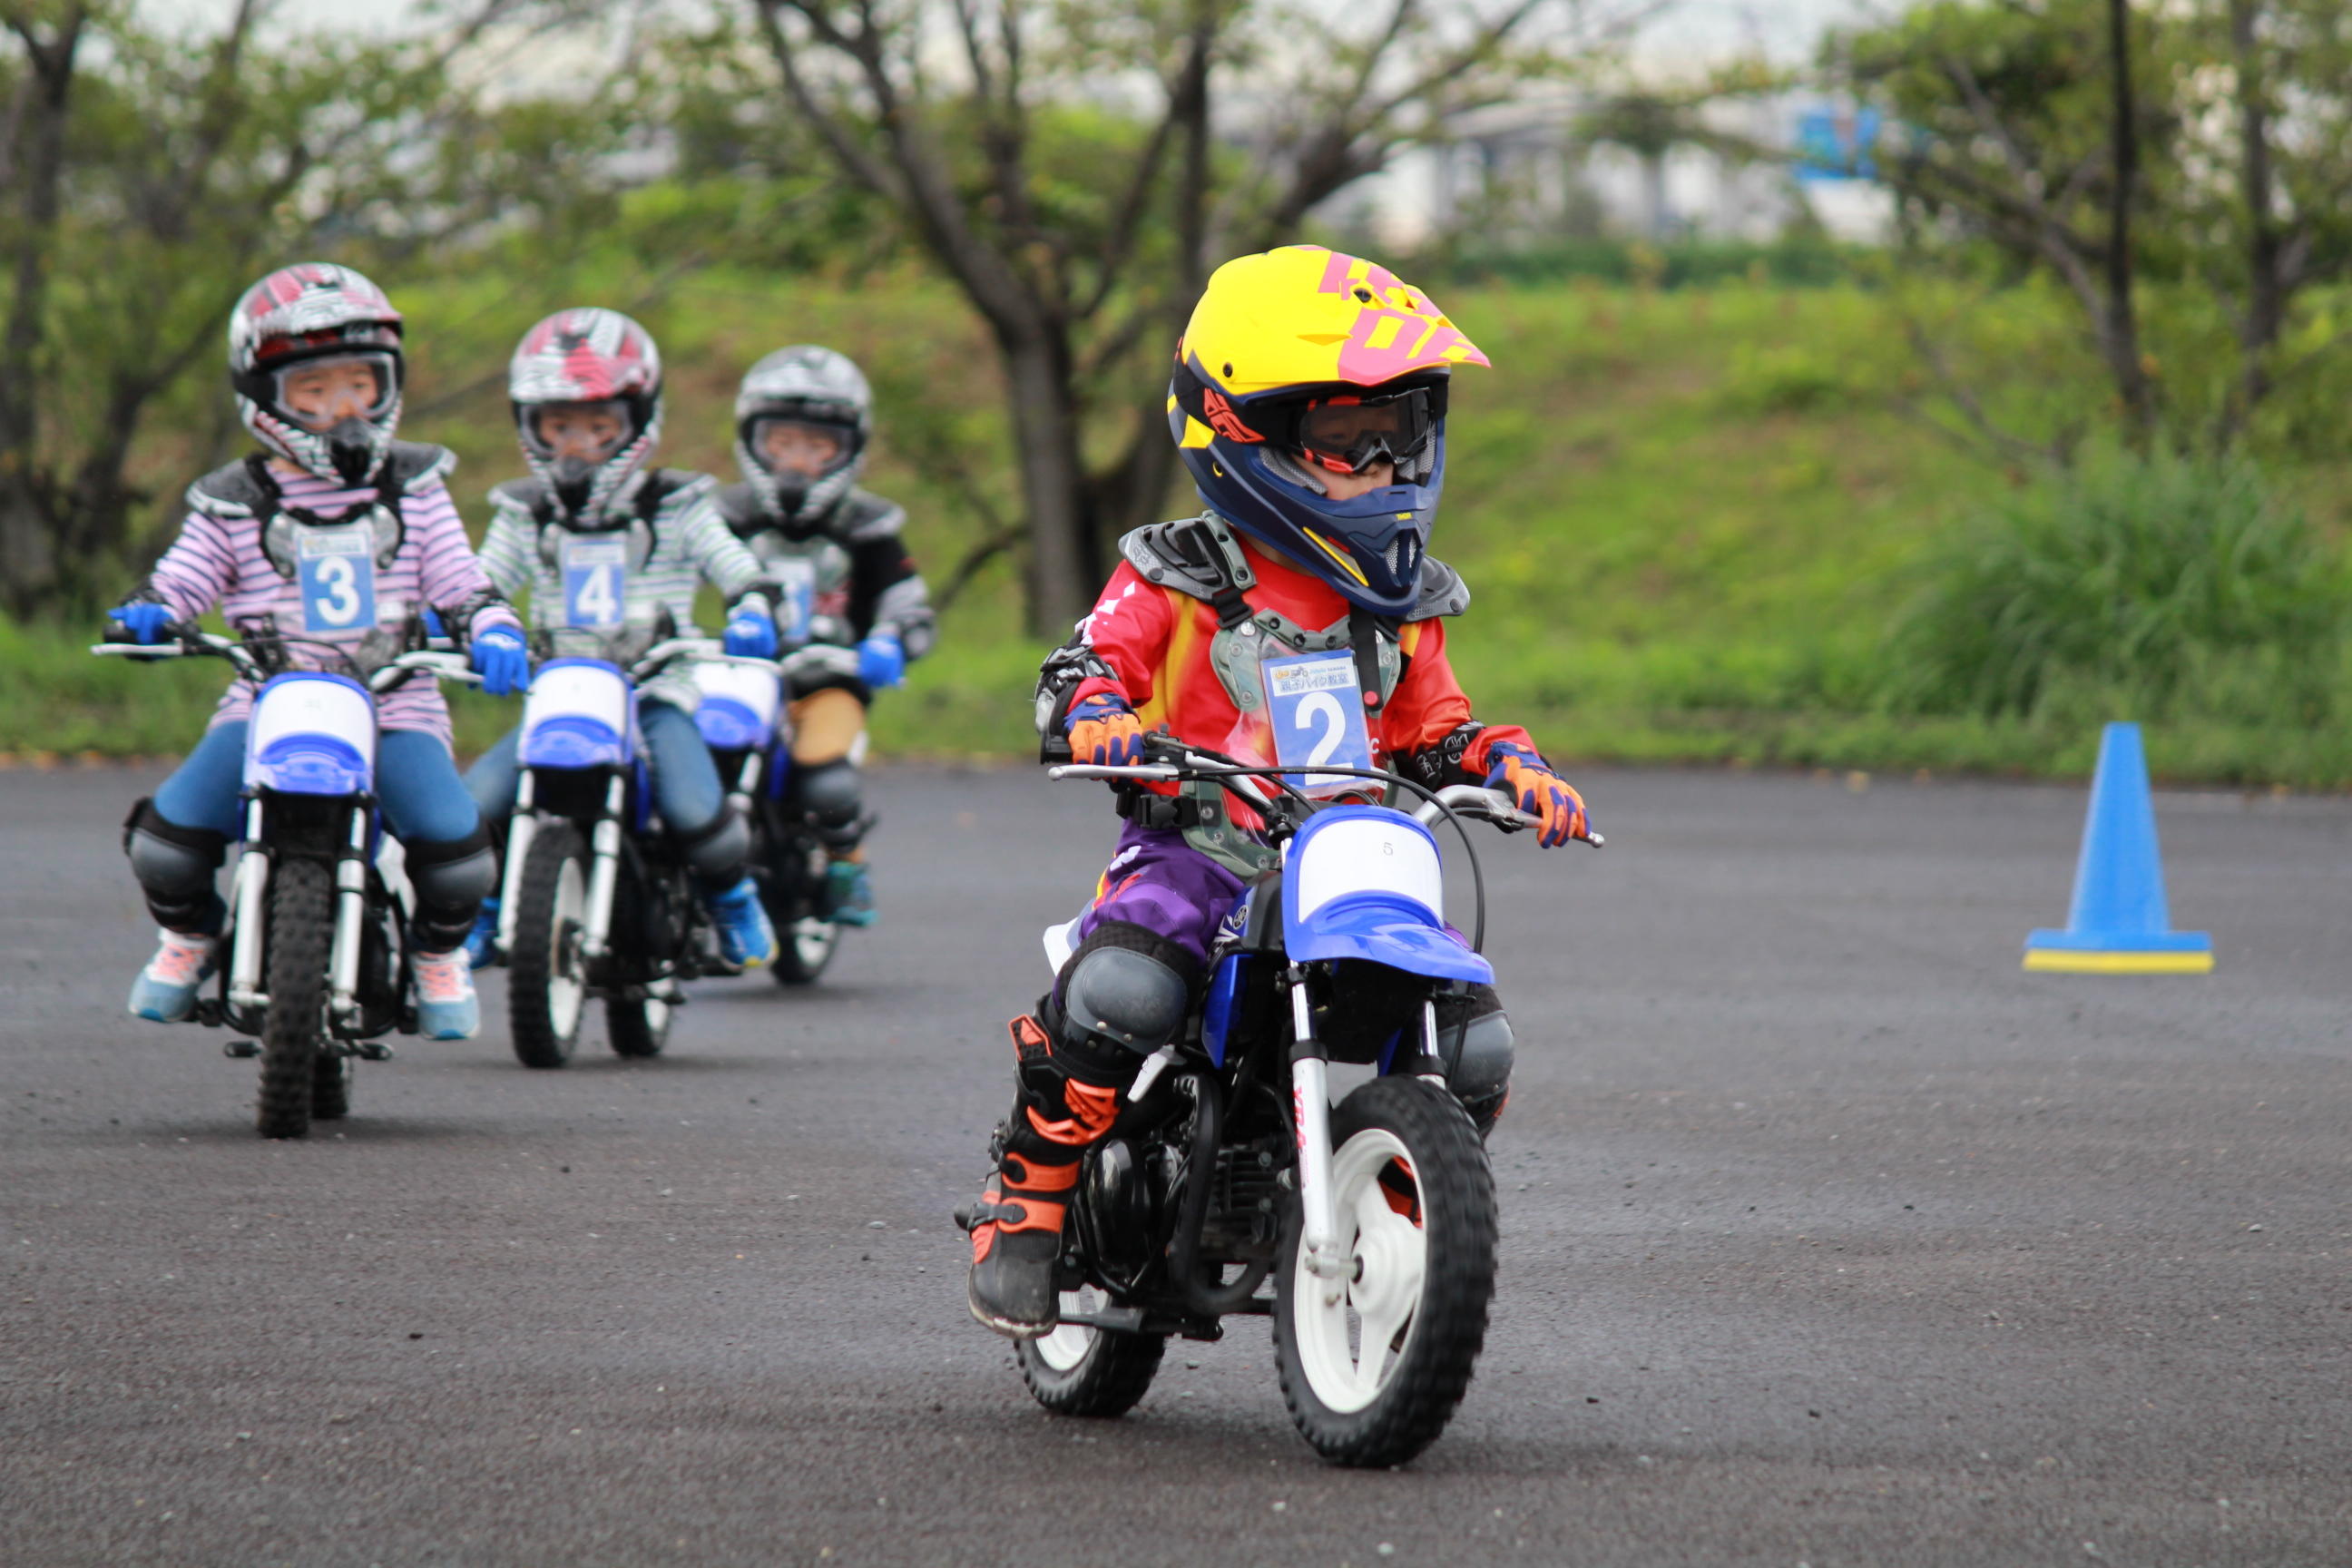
x: 301, y: 928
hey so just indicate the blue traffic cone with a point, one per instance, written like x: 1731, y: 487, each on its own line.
x: 2120, y: 923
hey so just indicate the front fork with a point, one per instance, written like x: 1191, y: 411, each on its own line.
x: 351, y: 923
x: 248, y: 905
x: 604, y: 872
x: 1310, y: 1106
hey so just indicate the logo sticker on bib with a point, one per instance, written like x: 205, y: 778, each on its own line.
x: 335, y: 571
x: 1318, y: 712
x: 595, y: 583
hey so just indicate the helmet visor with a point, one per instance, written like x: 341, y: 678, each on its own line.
x: 1347, y: 432
x: 809, y: 448
x: 581, y: 432
x: 321, y: 394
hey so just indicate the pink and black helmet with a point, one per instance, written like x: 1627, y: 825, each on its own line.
x: 587, y: 357
x: 302, y: 315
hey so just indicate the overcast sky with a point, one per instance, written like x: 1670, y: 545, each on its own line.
x: 1690, y: 29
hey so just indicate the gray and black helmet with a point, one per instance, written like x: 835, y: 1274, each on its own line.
x: 803, y: 385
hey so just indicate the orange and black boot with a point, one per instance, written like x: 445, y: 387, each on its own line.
x: 1016, y: 1229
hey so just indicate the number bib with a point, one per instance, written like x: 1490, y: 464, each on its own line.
x: 335, y: 568
x: 797, y: 579
x: 595, y: 583
x: 1317, y: 711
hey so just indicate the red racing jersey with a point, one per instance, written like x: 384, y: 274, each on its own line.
x: 1156, y: 640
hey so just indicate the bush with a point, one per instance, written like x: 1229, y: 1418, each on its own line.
x: 2153, y: 587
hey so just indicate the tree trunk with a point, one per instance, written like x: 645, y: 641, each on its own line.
x: 28, y: 554
x: 2267, y: 286
x: 1063, y: 581
x: 2120, y: 329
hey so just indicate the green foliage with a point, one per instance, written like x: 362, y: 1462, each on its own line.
x: 2142, y: 586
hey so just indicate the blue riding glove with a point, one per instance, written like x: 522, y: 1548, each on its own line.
x: 881, y: 661
x: 1105, y: 731
x: 750, y: 630
x: 143, y: 620
x: 1535, y: 789
x: 500, y: 657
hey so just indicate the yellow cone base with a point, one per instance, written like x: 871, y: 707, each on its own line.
x: 2063, y: 960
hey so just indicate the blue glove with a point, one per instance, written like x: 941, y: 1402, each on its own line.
x: 1535, y: 789
x: 750, y: 631
x: 881, y: 661
x: 500, y: 657
x: 1105, y: 731
x: 144, y: 621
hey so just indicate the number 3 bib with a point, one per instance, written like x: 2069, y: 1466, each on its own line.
x: 595, y: 583
x: 335, y: 571
x: 1317, y: 709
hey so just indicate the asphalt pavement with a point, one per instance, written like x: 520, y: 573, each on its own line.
x: 1829, y: 1237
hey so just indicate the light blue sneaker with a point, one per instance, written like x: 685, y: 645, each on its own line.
x: 848, y: 897
x: 745, y: 939
x: 166, y: 991
x: 482, y: 941
x: 447, y: 1007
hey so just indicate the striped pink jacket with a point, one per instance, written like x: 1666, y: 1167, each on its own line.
x: 334, y: 587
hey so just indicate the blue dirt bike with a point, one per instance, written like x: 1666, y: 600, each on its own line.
x: 1375, y: 1218
x: 597, y: 901
x: 318, y: 908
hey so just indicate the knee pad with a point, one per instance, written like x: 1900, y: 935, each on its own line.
x: 833, y: 795
x: 1479, y: 1047
x: 175, y: 867
x: 718, y: 854
x: 1127, y: 984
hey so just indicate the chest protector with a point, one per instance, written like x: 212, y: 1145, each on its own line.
x: 249, y: 489
x: 1200, y: 557
x: 637, y: 524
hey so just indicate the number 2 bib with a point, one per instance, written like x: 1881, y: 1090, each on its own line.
x: 335, y: 572
x: 595, y: 583
x: 1316, y: 710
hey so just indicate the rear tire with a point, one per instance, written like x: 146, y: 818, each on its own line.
x: 302, y: 927
x: 638, y: 1028
x: 547, y: 981
x: 1087, y: 1372
x: 1372, y: 1377
x: 330, y: 1086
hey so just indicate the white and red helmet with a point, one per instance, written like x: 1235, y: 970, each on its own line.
x: 303, y: 314
x: 587, y: 357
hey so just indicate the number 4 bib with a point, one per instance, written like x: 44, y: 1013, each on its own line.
x: 335, y: 572
x: 1317, y: 711
x: 595, y: 583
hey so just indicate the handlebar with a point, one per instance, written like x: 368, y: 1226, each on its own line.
x: 439, y: 663
x: 712, y: 650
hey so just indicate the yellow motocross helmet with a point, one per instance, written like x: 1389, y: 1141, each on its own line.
x: 1303, y: 361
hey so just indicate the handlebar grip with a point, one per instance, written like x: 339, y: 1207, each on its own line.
x: 1054, y: 747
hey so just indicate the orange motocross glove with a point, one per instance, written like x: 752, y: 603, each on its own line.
x: 1105, y: 731
x: 1535, y: 789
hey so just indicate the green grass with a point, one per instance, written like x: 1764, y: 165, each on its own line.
x: 1688, y: 517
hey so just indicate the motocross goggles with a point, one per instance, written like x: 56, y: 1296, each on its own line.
x: 588, y: 432
x: 787, y: 443
x: 324, y: 390
x: 1340, y: 427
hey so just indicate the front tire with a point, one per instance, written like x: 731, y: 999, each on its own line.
x: 803, y: 947
x: 301, y: 925
x: 1086, y: 1371
x: 547, y: 978
x: 1373, y: 1366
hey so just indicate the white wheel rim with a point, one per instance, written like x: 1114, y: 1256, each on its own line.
x: 567, y: 993
x: 1068, y: 1345
x: 656, y: 1014
x: 812, y: 940
x: 1353, y: 1334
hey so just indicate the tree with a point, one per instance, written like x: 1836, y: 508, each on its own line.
x: 1075, y: 168
x: 154, y: 172
x: 2169, y: 167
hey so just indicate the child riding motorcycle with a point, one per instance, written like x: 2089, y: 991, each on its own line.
x: 803, y: 418
x: 333, y: 537
x: 612, y: 552
x: 1298, y: 621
